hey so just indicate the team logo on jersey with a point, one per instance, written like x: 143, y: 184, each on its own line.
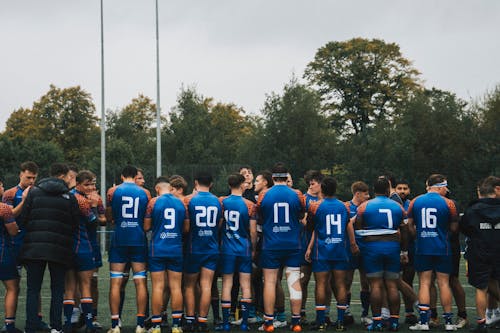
x: 123, y: 224
x: 333, y: 240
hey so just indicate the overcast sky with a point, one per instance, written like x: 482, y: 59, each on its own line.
x: 233, y: 50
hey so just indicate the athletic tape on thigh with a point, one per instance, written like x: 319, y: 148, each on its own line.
x: 293, y: 277
x: 139, y: 275
x: 116, y: 275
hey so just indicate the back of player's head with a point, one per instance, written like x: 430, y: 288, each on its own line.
x: 313, y: 175
x: 129, y: 171
x: 382, y: 186
x: 29, y: 166
x: 436, y: 179
x: 162, y: 180
x: 359, y: 186
x: 204, y: 178
x: 329, y: 186
x: 73, y: 167
x: 487, y: 186
x: 84, y: 175
x: 178, y: 182
x: 390, y: 177
x: 235, y: 180
x: 280, y: 172
x: 268, y: 177
x: 58, y: 169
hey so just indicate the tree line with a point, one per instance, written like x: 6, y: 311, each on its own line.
x: 359, y: 110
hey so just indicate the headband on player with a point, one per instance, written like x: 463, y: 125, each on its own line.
x: 442, y: 184
x: 280, y: 175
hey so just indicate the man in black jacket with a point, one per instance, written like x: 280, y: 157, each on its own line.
x: 50, y: 217
x: 481, y: 223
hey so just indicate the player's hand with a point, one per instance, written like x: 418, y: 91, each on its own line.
x: 354, y: 249
x: 307, y: 255
x: 93, y: 198
x: 25, y: 192
x: 404, y: 258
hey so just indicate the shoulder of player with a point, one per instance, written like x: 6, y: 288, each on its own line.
x: 6, y: 212
x: 9, y: 194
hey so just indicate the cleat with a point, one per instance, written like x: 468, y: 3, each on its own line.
x: 296, y: 328
x: 394, y: 327
x: 279, y: 324
x: 176, y: 329
x: 378, y: 327
x: 155, y: 329
x: 119, y: 323
x: 320, y: 327
x: 140, y: 329
x: 96, y: 325
x: 226, y: 327
x: 244, y: 328
x: 450, y: 327
x: 266, y: 328
x: 114, y: 330
x: 461, y: 322
x: 411, y: 319
x: 339, y: 326
x: 419, y: 327
x: 366, y: 321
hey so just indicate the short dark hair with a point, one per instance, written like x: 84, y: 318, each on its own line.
x: 244, y: 167
x: 268, y: 176
x: 73, y: 167
x: 313, y: 175
x: 84, y: 175
x: 58, y: 169
x: 328, y: 186
x: 381, y: 186
x: 129, y: 171
x: 359, y: 186
x: 403, y: 182
x: 279, y: 170
x: 204, y: 178
x: 162, y: 179
x: 435, y: 178
x: 487, y: 185
x: 235, y: 180
x: 29, y: 166
x: 178, y: 182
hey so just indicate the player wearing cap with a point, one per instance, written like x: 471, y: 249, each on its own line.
x: 432, y: 217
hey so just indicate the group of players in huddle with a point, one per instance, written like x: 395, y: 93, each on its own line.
x: 250, y: 237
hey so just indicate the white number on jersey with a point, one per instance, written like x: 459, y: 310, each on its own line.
x: 130, y: 207
x: 336, y: 220
x: 390, y: 223
x: 232, y: 216
x: 286, y: 209
x: 429, y: 218
x: 169, y: 216
x: 210, y: 213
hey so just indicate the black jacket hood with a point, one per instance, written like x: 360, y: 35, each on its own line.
x: 488, y: 209
x: 54, y: 186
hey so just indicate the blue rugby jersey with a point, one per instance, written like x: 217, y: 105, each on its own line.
x: 280, y: 208
x: 379, y: 216
x: 6, y: 217
x: 167, y: 213
x: 432, y: 215
x: 128, y: 202
x: 330, y: 217
x: 238, y: 212
x: 204, y: 212
x: 13, y: 197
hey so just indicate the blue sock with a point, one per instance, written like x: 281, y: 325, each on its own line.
x: 246, y: 304
x: 10, y: 324
x: 295, y: 319
x: 448, y: 317
x: 251, y: 310
x: 320, y: 314
x: 424, y: 313
x: 340, y: 312
x: 202, y: 321
x: 68, y: 310
x: 394, y: 320
x: 114, y: 320
x: 226, y: 311
x: 87, y: 311
x: 176, y: 318
x: 140, y: 320
x: 156, y: 320
x: 268, y: 319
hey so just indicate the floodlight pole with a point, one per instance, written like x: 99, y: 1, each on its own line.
x: 158, y: 107
x: 103, y: 132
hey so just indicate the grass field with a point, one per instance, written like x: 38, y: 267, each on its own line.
x: 129, y: 312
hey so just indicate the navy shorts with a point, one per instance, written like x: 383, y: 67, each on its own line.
x: 195, y: 261
x: 272, y: 259
x: 438, y: 263
x: 230, y: 264
x: 330, y: 265
x: 8, y: 265
x: 84, y: 262
x: 381, y: 259
x: 125, y: 254
x: 158, y: 264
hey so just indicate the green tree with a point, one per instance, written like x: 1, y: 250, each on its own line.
x: 361, y: 81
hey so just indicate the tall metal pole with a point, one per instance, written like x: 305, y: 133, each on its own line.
x: 158, y: 108
x: 103, y: 131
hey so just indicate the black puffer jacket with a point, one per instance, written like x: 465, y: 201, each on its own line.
x: 50, y: 218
